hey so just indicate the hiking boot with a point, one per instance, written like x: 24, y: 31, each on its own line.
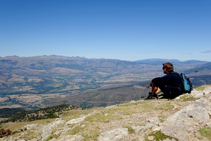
x: 151, y: 96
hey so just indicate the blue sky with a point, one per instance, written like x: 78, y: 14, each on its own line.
x: 112, y: 29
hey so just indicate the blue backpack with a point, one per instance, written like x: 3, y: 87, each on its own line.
x: 186, y: 84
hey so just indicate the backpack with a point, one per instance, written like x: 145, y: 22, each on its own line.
x: 186, y: 84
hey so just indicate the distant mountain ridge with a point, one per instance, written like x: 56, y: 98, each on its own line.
x: 200, y: 71
x: 157, y: 61
x: 32, y: 81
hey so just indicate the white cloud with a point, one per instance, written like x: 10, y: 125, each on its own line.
x: 208, y: 51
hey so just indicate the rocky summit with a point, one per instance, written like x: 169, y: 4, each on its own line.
x: 185, y: 118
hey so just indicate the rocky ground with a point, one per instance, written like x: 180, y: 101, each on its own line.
x: 186, y: 118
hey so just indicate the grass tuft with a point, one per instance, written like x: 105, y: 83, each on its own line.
x: 162, y: 118
x: 202, y: 87
x: 88, y: 131
x: 147, y: 107
x: 166, y: 106
x: 74, y: 114
x: 159, y: 136
x: 52, y: 136
x: 206, y: 132
x: 186, y: 98
x: 97, y: 117
x: 130, y: 129
x: 131, y: 103
x: 31, y: 134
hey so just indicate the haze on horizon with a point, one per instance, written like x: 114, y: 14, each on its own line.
x: 111, y: 29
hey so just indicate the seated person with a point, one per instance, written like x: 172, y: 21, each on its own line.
x: 170, y: 84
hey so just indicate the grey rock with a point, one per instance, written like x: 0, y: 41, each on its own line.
x: 47, y: 129
x: 169, y: 139
x: 207, y: 90
x: 177, y: 129
x: 180, y: 124
x: 150, y: 125
x: 69, y: 138
x: 112, y: 106
x: 202, y: 102
x: 114, y: 135
x: 156, y: 129
x: 141, y: 138
x: 154, y: 120
x: 57, y: 122
x: 198, y: 95
x: 140, y: 130
x: 29, y: 126
x: 208, y: 124
x: 11, y: 139
x: 46, y: 132
x: 199, y: 114
x: 78, y: 120
x: 132, y: 101
x: 151, y: 138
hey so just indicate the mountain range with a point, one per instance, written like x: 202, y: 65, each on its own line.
x: 34, y: 82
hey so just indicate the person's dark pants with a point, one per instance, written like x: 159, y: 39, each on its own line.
x: 169, y: 92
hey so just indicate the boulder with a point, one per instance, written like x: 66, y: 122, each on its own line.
x: 69, y: 138
x: 181, y: 123
x: 47, y: 129
x: 207, y: 91
x: 74, y: 121
x: 80, y: 119
x: 29, y: 126
x: 114, y: 135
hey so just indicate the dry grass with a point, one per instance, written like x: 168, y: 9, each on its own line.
x: 141, y: 106
x: 67, y: 88
x: 123, y: 78
x: 55, y: 136
x: 89, y: 130
x: 73, y: 114
x: 202, y: 87
x: 25, y: 88
x: 1, y: 119
x: 35, y: 79
x: 16, y: 78
x: 11, y: 106
x: 122, y: 111
x: 147, y: 107
x: 187, y: 97
x: 166, y: 106
x: 29, y: 98
x: 130, y: 129
x: 206, y: 132
x: 3, y: 99
x: 31, y: 134
x: 13, y: 125
x: 65, y: 70
x: 132, y: 103
x: 162, y: 118
x: 159, y: 136
x: 102, y: 118
x: 20, y: 125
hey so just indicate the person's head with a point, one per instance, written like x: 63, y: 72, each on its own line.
x: 167, y: 67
